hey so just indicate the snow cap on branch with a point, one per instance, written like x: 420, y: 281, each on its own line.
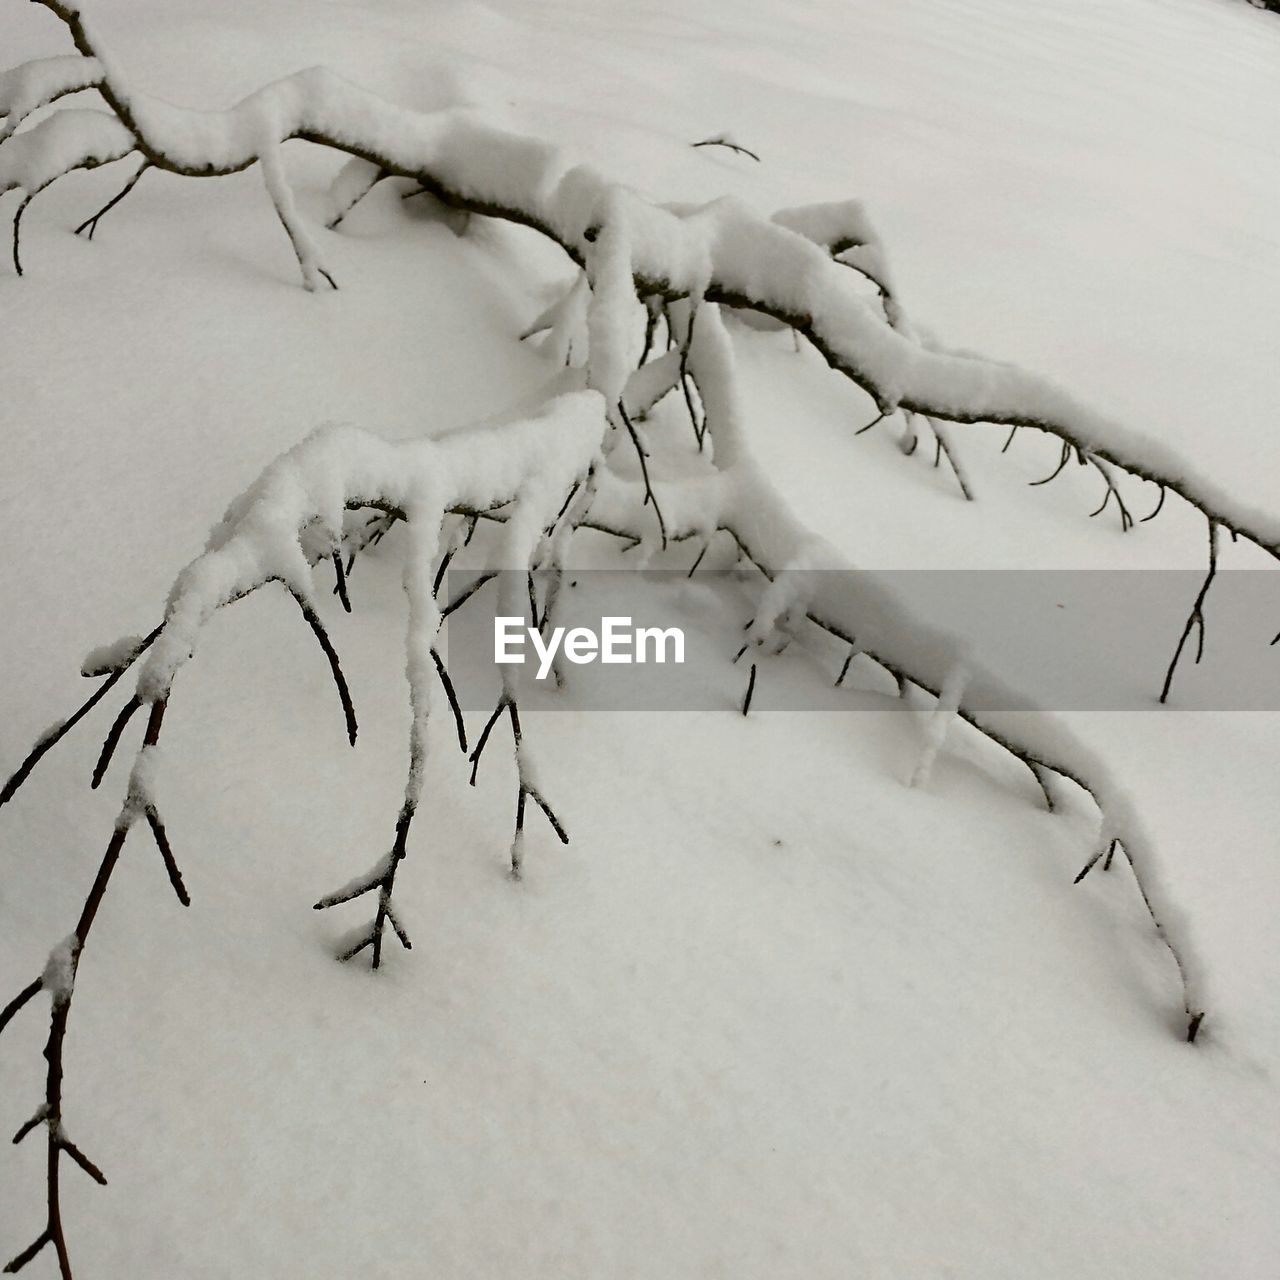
x: 59, y: 975
x: 80, y: 138
x: 258, y: 539
x: 26, y: 88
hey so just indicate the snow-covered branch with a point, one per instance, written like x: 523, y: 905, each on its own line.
x: 526, y: 465
x: 793, y: 268
x: 582, y: 459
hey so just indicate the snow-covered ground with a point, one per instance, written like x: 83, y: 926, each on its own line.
x: 771, y: 1013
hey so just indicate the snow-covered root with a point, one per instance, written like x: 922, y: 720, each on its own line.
x: 794, y: 269
x: 530, y: 465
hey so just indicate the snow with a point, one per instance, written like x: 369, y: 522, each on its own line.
x: 771, y: 1012
x: 141, y: 795
x: 282, y: 198
x: 940, y: 722
x: 59, y: 977
x: 530, y: 463
x: 650, y: 382
x: 35, y: 84
x: 867, y: 609
x: 73, y: 137
x: 106, y: 658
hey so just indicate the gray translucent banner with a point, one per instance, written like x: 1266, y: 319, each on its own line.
x: 1064, y: 640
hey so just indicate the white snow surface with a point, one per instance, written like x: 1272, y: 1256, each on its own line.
x: 772, y: 1012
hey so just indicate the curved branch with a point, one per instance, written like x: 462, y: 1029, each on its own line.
x: 722, y: 141
x: 335, y: 667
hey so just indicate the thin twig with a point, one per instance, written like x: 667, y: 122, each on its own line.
x: 1159, y: 504
x: 166, y: 853
x: 458, y: 601
x: 113, y: 738
x: 1126, y: 520
x: 27, y: 993
x: 484, y: 736
x: 730, y: 146
x: 451, y: 694
x: 55, y: 735
x: 1057, y: 471
x: 649, y: 495
x: 91, y: 223
x: 1196, y: 617
x: 340, y: 579
x: 335, y: 667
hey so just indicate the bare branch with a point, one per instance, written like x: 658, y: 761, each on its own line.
x: 721, y: 141
x: 484, y: 736
x: 113, y: 738
x: 451, y: 694
x: 1158, y: 506
x: 458, y: 601
x: 83, y: 1161
x: 650, y: 498
x: 322, y: 638
x: 28, y: 1253
x: 40, y: 1116
x: 1196, y: 617
x: 340, y: 580
x: 55, y: 735
x: 166, y: 853
x: 90, y: 224
x: 1057, y: 471
x: 27, y: 993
